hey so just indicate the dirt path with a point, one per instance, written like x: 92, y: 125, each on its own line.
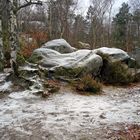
x: 67, y: 115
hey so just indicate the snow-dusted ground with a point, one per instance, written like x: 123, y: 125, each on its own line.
x: 68, y: 115
x: 4, y: 86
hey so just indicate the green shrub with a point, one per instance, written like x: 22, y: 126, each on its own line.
x: 115, y: 73
x: 35, y: 58
x: 20, y: 59
x: 1, y: 66
x: 88, y: 84
x: 69, y: 72
x: 137, y: 76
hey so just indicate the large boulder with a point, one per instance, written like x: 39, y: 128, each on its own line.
x: 118, y: 55
x: 136, y: 54
x: 71, y: 64
x: 115, y: 69
x: 109, y: 63
x: 59, y: 45
x: 114, y: 54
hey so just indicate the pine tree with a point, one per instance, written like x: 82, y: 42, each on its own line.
x: 120, y: 23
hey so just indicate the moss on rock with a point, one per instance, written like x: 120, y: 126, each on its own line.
x: 20, y: 59
x: 69, y: 72
x: 35, y: 58
x: 1, y: 66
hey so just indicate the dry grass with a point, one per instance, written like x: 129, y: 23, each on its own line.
x: 88, y: 84
x: 131, y: 132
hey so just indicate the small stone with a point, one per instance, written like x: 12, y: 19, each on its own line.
x: 102, y: 116
x: 38, y: 93
x: 45, y: 94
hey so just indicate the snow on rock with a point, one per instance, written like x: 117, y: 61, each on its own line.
x: 5, y: 87
x: 37, y: 84
x: 114, y: 54
x: 59, y: 45
x: 30, y: 73
x: 81, y: 61
x: 27, y: 68
x: 85, y: 61
x: 3, y: 76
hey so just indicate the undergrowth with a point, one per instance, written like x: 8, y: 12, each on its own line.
x: 88, y: 84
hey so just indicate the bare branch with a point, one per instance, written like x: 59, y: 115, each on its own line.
x: 28, y: 3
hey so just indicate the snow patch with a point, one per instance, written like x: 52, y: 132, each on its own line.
x: 5, y: 87
x: 27, y: 94
x: 28, y: 68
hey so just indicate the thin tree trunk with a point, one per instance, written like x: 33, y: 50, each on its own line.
x: 8, y: 12
x: 5, y: 32
x: 109, y: 28
x: 50, y: 23
x: 9, y: 34
x: 13, y: 37
x: 1, y: 42
x: 1, y: 49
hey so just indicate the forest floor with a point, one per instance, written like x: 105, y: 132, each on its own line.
x: 67, y: 115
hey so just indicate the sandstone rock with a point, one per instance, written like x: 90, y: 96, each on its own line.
x: 114, y: 54
x: 59, y: 45
x: 71, y: 64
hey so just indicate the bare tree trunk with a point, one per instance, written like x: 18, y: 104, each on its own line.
x: 9, y: 33
x: 138, y: 28
x: 5, y: 32
x: 13, y: 37
x: 62, y: 32
x: 50, y: 22
x: 110, y: 18
x: 1, y: 42
x: 10, y: 30
x: 1, y: 39
x: 1, y: 49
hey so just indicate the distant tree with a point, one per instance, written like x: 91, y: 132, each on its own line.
x: 59, y: 18
x: 135, y: 5
x: 120, y: 23
x: 92, y: 19
x: 80, y: 29
x: 96, y: 17
x: 109, y: 22
x: 136, y: 19
x: 53, y: 20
